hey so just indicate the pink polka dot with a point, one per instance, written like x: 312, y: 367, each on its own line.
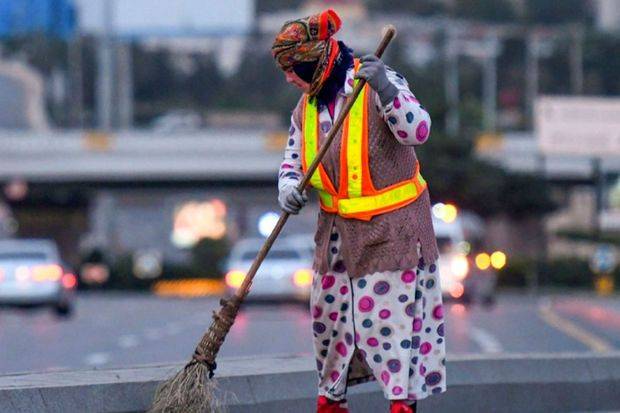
x: 408, y: 276
x: 287, y: 166
x: 350, y: 82
x: 417, y: 324
x: 366, y: 304
x: 385, y: 377
x: 341, y: 348
x: 334, y: 376
x: 396, y: 390
x: 402, y: 134
x: 425, y: 347
x: 421, y: 132
x: 384, y: 314
x: 372, y: 342
x: 344, y: 289
x: 333, y: 316
x: 357, y: 338
x: 438, y: 311
x: 422, y: 370
x: 396, y: 102
x: 328, y: 281
x: 316, y: 311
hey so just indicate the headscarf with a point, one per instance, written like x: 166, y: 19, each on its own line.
x: 306, y: 40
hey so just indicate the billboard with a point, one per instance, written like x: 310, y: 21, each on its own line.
x: 138, y: 18
x: 583, y: 126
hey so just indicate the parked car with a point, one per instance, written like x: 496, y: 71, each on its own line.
x: 32, y: 274
x: 286, y: 272
x: 467, y: 272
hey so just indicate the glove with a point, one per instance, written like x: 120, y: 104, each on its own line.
x: 291, y: 200
x: 373, y: 70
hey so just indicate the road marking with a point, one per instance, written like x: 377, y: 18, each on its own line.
x: 487, y: 342
x: 97, y: 359
x: 128, y: 341
x: 547, y: 314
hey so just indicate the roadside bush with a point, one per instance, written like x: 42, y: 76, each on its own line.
x: 564, y: 272
x: 208, y: 257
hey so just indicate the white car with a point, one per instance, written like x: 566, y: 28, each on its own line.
x: 286, y: 272
x: 467, y: 273
x: 31, y: 274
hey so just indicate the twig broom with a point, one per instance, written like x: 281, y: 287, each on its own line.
x: 191, y: 389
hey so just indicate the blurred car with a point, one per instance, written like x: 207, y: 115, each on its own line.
x: 467, y: 272
x: 32, y: 274
x: 177, y: 121
x: 286, y: 272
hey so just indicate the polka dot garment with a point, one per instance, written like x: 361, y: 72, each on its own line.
x: 386, y: 326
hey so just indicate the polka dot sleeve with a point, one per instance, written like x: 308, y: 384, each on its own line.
x: 407, y: 119
x: 290, y: 168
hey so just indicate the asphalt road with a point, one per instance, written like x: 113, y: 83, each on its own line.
x: 115, y: 330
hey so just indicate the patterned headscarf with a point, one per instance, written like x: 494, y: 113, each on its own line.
x: 306, y: 40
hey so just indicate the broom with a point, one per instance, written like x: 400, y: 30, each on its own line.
x: 191, y: 389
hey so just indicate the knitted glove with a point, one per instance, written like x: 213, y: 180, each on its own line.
x: 373, y: 70
x: 291, y: 200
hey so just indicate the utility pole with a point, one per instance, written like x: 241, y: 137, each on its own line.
x: 105, y: 72
x: 576, y: 60
x: 532, y: 74
x: 451, y: 84
x: 490, y: 83
x: 125, y: 86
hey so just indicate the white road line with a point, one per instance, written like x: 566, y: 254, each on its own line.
x: 97, y: 359
x: 487, y: 342
x: 128, y: 341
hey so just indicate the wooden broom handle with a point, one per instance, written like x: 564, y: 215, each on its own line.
x: 389, y: 33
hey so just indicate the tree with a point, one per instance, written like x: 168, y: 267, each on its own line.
x: 554, y: 11
x: 487, y: 10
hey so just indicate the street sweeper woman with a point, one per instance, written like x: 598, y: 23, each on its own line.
x: 376, y: 301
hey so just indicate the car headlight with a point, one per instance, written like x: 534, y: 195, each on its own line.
x: 235, y: 278
x: 459, y: 266
x: 302, y: 278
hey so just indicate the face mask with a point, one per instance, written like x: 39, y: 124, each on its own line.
x: 305, y: 70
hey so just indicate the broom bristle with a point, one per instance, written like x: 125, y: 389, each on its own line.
x: 189, y: 391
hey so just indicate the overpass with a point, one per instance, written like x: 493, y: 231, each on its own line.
x: 143, y: 156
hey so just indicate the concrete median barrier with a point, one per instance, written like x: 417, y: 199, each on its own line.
x: 559, y: 382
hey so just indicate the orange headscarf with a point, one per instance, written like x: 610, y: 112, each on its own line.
x: 306, y: 40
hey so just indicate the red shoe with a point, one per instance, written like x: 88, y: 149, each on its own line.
x: 400, y: 406
x: 325, y: 405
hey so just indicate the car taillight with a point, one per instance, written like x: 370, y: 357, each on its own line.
x: 302, y: 278
x: 235, y: 278
x: 42, y: 273
x: 69, y: 281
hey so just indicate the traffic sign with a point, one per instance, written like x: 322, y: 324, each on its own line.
x: 604, y: 260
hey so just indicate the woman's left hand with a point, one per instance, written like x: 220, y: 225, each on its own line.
x: 373, y: 70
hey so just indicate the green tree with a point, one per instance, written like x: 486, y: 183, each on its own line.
x: 554, y: 11
x: 487, y: 10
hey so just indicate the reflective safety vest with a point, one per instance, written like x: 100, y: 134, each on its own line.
x: 356, y: 196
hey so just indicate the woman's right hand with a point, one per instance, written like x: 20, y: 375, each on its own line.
x: 291, y: 200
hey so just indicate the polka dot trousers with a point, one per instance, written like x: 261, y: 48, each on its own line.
x: 385, y: 326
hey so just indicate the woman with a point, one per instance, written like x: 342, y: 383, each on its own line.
x: 376, y: 300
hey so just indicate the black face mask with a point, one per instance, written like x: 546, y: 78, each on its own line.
x: 336, y: 79
x: 305, y: 70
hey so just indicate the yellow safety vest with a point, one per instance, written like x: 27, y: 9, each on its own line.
x: 356, y: 196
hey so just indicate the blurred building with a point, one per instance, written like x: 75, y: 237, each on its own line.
x: 49, y: 17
